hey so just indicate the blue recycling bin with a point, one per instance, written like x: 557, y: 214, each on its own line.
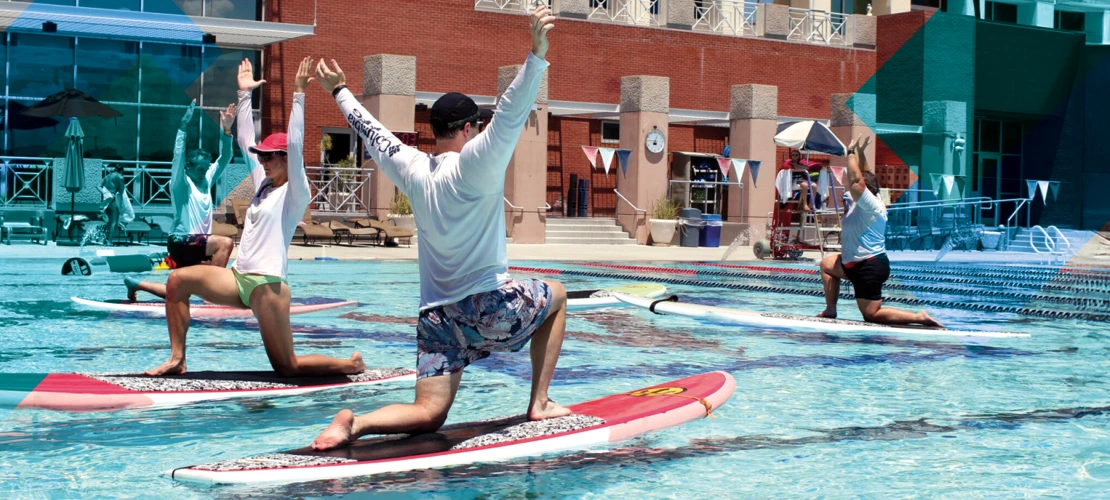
x: 583, y: 197
x: 711, y: 230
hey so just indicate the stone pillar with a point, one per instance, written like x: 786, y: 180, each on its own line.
x: 864, y: 31
x: 681, y: 14
x: 1039, y: 14
x: 942, y: 122
x: 850, y: 115
x: 388, y: 93
x: 753, y: 123
x: 526, y: 177
x: 645, y: 105
x: 773, y: 21
x: 574, y: 9
x: 1097, y: 27
x: 884, y: 7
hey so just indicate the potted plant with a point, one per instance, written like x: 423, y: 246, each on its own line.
x: 400, y: 212
x: 664, y: 220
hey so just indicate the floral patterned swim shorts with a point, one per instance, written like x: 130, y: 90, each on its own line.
x: 450, y: 337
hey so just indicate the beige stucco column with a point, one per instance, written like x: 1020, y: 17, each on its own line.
x: 849, y: 122
x: 526, y: 178
x: 753, y: 122
x: 388, y: 93
x: 645, y: 105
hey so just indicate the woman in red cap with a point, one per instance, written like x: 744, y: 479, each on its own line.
x: 257, y: 280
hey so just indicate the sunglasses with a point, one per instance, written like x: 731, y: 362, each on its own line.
x: 269, y: 155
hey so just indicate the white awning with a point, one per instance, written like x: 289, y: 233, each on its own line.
x: 22, y: 17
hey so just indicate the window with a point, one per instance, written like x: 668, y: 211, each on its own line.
x: 1000, y: 12
x: 134, y: 5
x: 108, y: 70
x: 1070, y: 21
x: 611, y: 132
x: 40, y: 64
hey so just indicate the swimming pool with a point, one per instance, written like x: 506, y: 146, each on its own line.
x: 814, y: 414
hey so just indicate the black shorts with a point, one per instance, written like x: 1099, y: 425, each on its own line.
x: 188, y: 250
x: 868, y: 276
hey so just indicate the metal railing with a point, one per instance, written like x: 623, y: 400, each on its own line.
x: 728, y: 17
x: 818, y: 26
x: 339, y: 190
x: 146, y: 182
x: 521, y: 6
x: 26, y: 182
x: 637, y: 12
x: 634, y: 207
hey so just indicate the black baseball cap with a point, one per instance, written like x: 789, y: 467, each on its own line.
x: 453, y: 109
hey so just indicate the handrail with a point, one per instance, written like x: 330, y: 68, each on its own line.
x: 981, y: 200
x: 1061, y: 235
x: 514, y: 207
x: 546, y: 206
x: 1048, y: 243
x: 634, y: 208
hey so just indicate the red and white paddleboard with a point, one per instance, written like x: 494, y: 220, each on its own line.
x: 107, y: 392
x: 609, y: 419
x: 201, y: 311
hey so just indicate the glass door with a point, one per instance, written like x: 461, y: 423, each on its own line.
x: 988, y: 182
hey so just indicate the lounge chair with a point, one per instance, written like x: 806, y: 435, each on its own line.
x: 34, y: 230
x: 223, y: 229
x: 312, y: 230
x: 353, y: 233
x: 389, y: 231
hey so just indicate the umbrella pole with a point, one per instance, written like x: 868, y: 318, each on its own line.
x: 72, y: 213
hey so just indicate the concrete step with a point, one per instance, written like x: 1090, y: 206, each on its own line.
x: 590, y: 241
x: 606, y: 233
x: 595, y: 229
x: 587, y: 221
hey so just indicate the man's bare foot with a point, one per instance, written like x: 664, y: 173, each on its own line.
x: 170, y: 367
x: 924, y: 318
x: 827, y: 314
x: 546, y: 410
x: 357, y: 365
x: 338, y: 433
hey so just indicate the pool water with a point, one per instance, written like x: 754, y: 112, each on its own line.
x: 814, y: 413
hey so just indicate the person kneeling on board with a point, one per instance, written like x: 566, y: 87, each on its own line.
x: 863, y: 260
x: 469, y: 304
x: 257, y: 280
x: 191, y: 179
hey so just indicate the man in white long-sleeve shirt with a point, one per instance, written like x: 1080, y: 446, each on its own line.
x: 469, y: 305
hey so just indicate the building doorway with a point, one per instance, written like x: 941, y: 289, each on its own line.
x: 997, y: 166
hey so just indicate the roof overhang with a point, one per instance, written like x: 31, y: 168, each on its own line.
x: 23, y: 17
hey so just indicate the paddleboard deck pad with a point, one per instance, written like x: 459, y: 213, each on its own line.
x: 584, y: 300
x: 610, y: 419
x: 753, y: 318
x: 157, y: 308
x: 107, y: 392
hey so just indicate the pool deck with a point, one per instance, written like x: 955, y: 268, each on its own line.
x: 1096, y: 253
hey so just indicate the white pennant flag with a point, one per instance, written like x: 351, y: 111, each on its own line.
x: 936, y: 184
x: 1055, y: 185
x: 738, y: 167
x: 1032, y: 186
x: 607, y: 158
x: 949, y: 181
x: 1042, y: 186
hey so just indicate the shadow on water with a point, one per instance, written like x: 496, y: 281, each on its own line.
x: 613, y: 460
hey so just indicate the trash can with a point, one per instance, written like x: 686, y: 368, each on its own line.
x: 583, y: 196
x: 572, y: 196
x: 689, y: 220
x: 710, y: 231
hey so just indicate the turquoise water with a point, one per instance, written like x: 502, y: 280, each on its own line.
x: 814, y: 414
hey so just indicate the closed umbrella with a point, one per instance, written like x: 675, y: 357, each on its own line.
x: 74, y: 180
x: 810, y: 136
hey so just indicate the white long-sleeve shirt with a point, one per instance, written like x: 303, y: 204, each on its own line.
x: 456, y: 197
x: 192, y: 206
x: 274, y: 212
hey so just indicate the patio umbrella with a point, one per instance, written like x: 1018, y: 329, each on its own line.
x: 19, y: 121
x: 74, y: 180
x: 71, y: 103
x: 810, y: 136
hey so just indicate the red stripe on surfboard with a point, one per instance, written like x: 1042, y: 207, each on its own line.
x: 536, y: 270
x: 73, y: 383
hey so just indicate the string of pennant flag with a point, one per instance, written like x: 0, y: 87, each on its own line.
x: 727, y: 164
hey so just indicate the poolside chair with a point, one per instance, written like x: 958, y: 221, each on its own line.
x: 388, y: 231
x: 311, y: 231
x: 34, y: 230
x: 353, y: 233
x: 224, y: 229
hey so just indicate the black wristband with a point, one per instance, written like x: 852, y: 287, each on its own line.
x: 335, y: 91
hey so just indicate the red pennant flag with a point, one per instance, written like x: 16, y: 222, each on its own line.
x: 725, y: 164
x: 591, y: 153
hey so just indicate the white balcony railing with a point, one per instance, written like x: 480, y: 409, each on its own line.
x: 510, y: 5
x: 637, y: 12
x: 339, y: 190
x: 727, y: 17
x: 25, y: 182
x: 818, y: 26
x: 146, y: 182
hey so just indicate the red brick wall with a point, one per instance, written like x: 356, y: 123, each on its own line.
x: 460, y: 49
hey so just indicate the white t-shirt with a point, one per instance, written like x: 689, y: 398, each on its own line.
x: 457, y: 198
x: 192, y: 207
x: 863, y: 231
x: 274, y: 212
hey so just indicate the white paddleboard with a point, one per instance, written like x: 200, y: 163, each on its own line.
x: 781, y: 320
x: 584, y: 300
x: 157, y: 308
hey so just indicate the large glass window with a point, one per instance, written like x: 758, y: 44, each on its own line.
x: 221, y: 75
x: 230, y: 9
x: 171, y: 73
x: 108, y: 70
x: 112, y: 138
x: 110, y: 4
x: 40, y: 65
